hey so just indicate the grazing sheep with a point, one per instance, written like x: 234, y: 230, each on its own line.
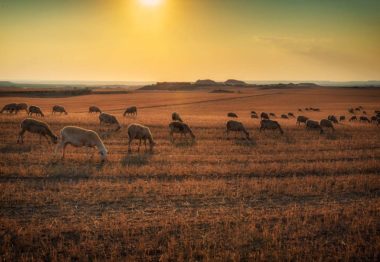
x: 176, y: 117
x: 232, y: 115
x: 236, y: 126
x: 326, y: 123
x: 80, y: 137
x: 9, y: 108
x: 272, y: 114
x: 342, y: 118
x: 351, y: 111
x: 264, y: 115
x: 94, y: 109
x: 333, y: 119
x: 302, y: 119
x: 254, y: 116
x: 311, y: 124
x: 376, y: 112
x: 291, y: 114
x: 300, y: 110
x: 307, y: 109
x: 130, y: 111
x: 58, y: 109
x: 357, y: 109
x: 373, y: 119
x: 35, y: 110
x: 360, y: 107
x: 364, y: 112
x: 364, y: 119
x: 284, y: 116
x: 353, y: 118
x: 253, y: 113
x: 22, y: 106
x: 137, y: 131
x: 270, y: 124
x: 181, y: 128
x: 315, y: 109
x: 109, y: 120
x: 36, y: 127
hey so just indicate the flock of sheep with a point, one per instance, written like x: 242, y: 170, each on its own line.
x: 80, y: 137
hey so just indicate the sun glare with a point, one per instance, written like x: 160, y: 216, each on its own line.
x: 150, y: 2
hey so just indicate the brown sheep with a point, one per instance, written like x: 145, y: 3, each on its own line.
x: 364, y: 119
x: 130, y: 111
x: 109, y: 120
x: 333, y: 119
x: 253, y: 112
x: 284, y: 116
x: 327, y: 123
x: 374, y: 119
x: 80, y: 137
x: 364, y: 112
x: 94, y: 109
x: 232, y: 115
x: 300, y: 110
x: 290, y: 114
x: 9, y: 108
x: 311, y: 124
x: 302, y: 119
x: 181, y: 128
x: 235, y: 126
x: 264, y: 115
x: 353, y: 118
x: 58, y: 109
x: 176, y: 117
x: 272, y: 114
x: 137, y: 131
x: 270, y: 124
x: 35, y: 110
x: 36, y: 127
x: 342, y: 118
x: 22, y: 106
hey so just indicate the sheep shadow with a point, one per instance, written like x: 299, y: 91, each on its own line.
x: 245, y: 142
x: 19, y: 148
x: 136, y: 159
x: 289, y: 139
x: 335, y: 135
x: 184, y: 143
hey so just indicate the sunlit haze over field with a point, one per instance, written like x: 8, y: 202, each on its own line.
x: 183, y: 40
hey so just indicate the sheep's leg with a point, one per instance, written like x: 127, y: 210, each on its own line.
x: 64, y: 150
x: 58, y: 147
x: 139, y: 145
x: 145, y: 143
x: 129, y: 146
x: 21, y: 136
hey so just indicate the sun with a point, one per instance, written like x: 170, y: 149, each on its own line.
x: 151, y: 2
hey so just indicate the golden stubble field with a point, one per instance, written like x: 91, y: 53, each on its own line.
x: 300, y: 196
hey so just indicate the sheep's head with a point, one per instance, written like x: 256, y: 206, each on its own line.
x: 103, y: 154
x: 54, y: 139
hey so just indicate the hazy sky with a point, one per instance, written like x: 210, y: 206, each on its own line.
x: 178, y: 40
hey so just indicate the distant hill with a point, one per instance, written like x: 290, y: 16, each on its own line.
x: 233, y: 82
x: 7, y: 84
x: 207, y: 82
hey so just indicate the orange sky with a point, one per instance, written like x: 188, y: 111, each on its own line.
x: 181, y: 40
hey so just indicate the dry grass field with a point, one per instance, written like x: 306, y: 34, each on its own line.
x: 298, y: 196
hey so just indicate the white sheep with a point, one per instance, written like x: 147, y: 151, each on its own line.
x: 79, y: 137
x: 137, y: 131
